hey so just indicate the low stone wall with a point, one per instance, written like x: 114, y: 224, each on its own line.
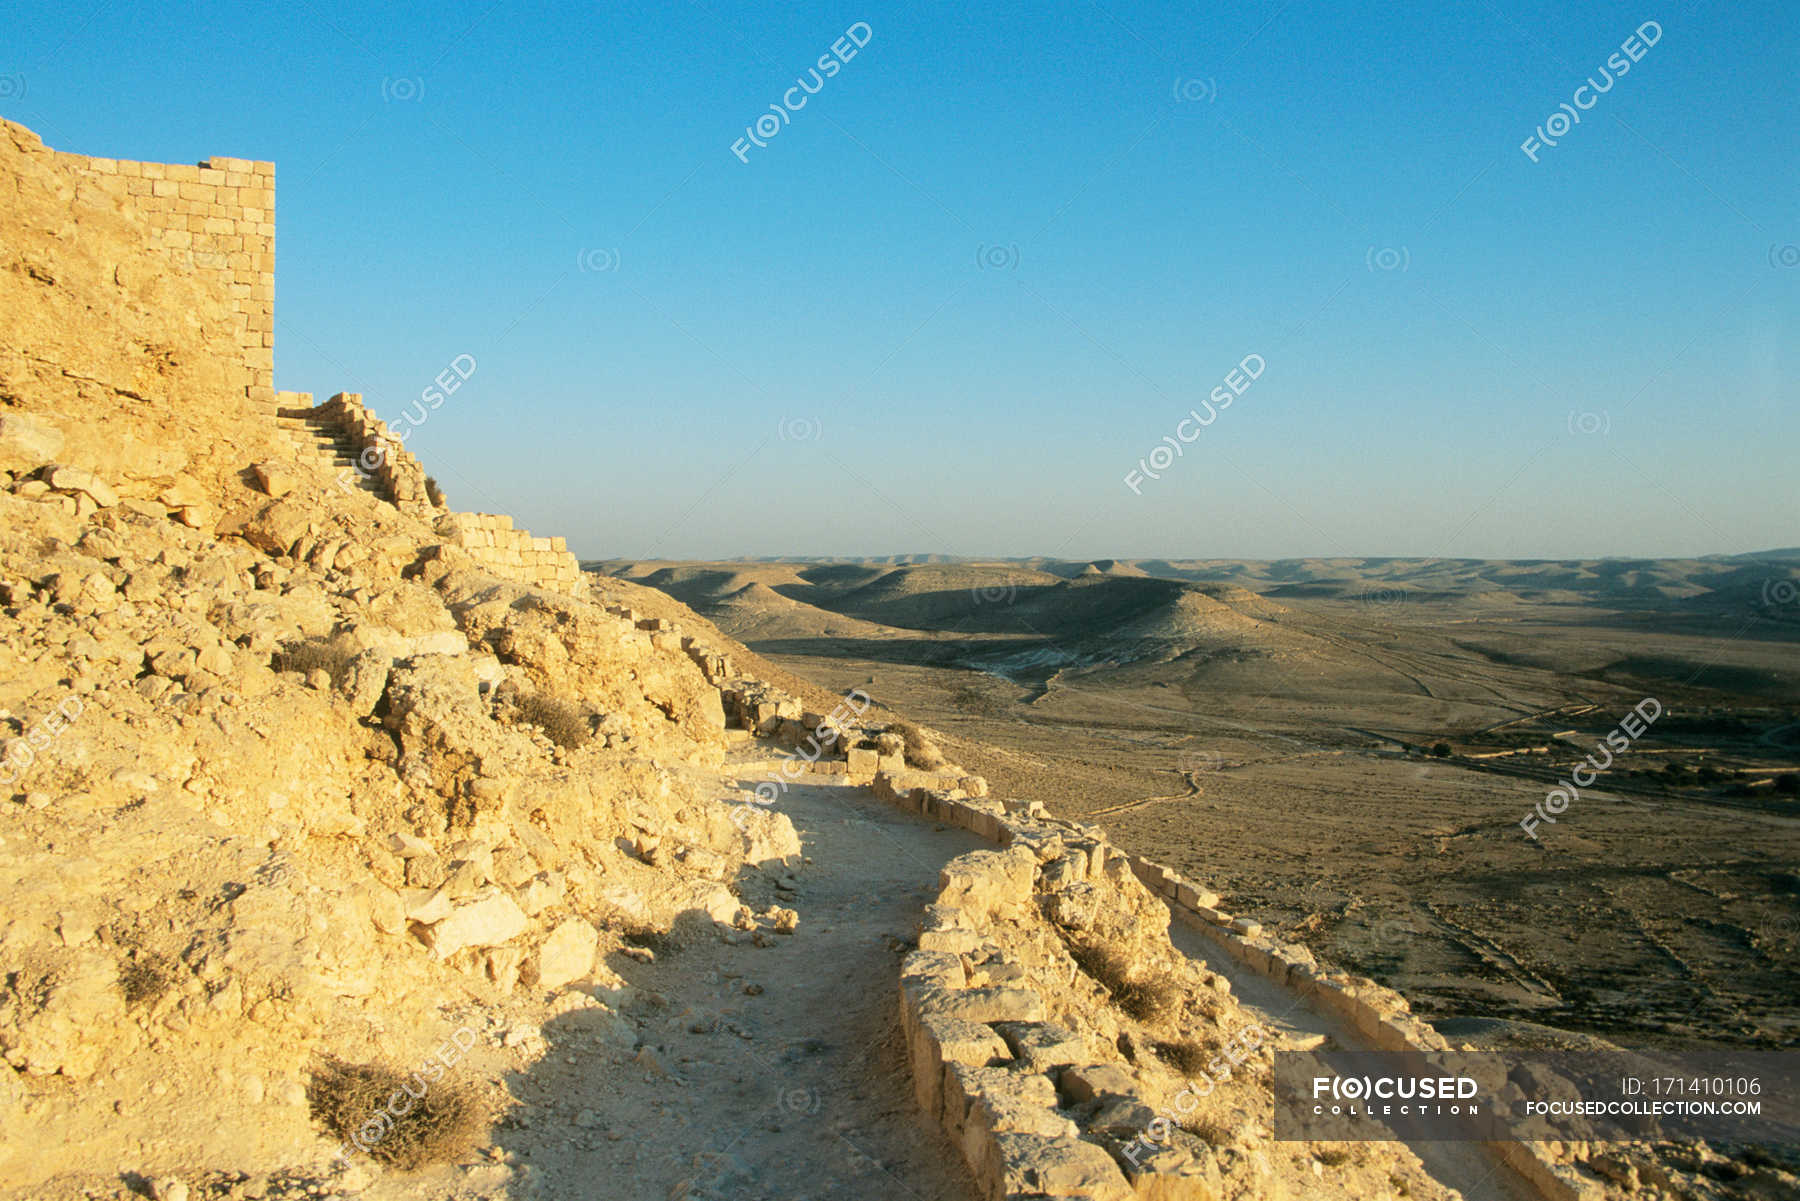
x: 1037, y: 1108
x: 946, y: 1041
x: 1379, y: 1013
x: 491, y: 540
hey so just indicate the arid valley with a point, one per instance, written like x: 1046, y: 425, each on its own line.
x: 1270, y: 727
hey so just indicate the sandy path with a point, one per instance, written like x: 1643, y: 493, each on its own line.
x: 1466, y: 1167
x: 798, y: 1091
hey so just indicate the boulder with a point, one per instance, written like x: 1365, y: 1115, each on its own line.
x: 488, y: 919
x: 277, y: 528
x: 276, y: 479
x: 566, y: 956
x: 86, y: 483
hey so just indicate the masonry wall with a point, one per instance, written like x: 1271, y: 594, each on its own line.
x: 215, y: 220
x: 538, y: 562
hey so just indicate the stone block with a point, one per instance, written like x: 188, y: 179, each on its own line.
x: 1002, y: 1004
x: 566, y: 956
x: 1090, y: 1081
x: 938, y: 1042
x: 1035, y: 1165
x: 1043, y: 1046
x: 490, y: 919
x: 275, y: 479
x: 988, y: 881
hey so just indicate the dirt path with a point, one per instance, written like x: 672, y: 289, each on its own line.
x: 1463, y: 1166
x: 768, y: 1072
x: 779, y: 1071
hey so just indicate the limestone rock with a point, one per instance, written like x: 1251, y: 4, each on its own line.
x: 487, y: 920
x: 277, y: 528
x: 364, y: 680
x: 1036, y: 1165
x: 566, y: 956
x: 275, y: 479
x: 58, y: 1016
x: 27, y: 441
x: 74, y: 479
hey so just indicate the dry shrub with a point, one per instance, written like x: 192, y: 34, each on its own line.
x: 889, y: 743
x: 307, y: 657
x: 1189, y: 1056
x: 921, y: 751
x: 568, y: 726
x: 1145, y: 1000
x: 1210, y: 1131
x: 351, y: 1100
x: 145, y: 977
x: 434, y: 493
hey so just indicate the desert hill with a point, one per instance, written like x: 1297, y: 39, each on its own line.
x: 999, y: 616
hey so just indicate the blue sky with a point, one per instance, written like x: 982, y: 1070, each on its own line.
x: 1000, y: 254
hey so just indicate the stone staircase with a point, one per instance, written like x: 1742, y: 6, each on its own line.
x: 346, y: 439
x: 325, y: 443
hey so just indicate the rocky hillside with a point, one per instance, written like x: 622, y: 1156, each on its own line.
x: 288, y: 783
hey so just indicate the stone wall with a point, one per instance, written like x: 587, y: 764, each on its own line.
x: 215, y: 221
x: 951, y: 1019
x: 491, y: 540
x: 400, y: 478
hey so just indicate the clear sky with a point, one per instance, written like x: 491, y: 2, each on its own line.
x: 999, y: 254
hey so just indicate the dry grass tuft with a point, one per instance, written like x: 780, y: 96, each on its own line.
x: 1189, y: 1056
x: 1210, y: 1131
x: 921, y: 751
x: 145, y: 977
x: 307, y: 657
x: 1145, y: 1000
x: 444, y: 1123
x: 568, y: 726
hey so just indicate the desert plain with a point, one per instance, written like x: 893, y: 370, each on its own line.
x: 1364, y: 754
